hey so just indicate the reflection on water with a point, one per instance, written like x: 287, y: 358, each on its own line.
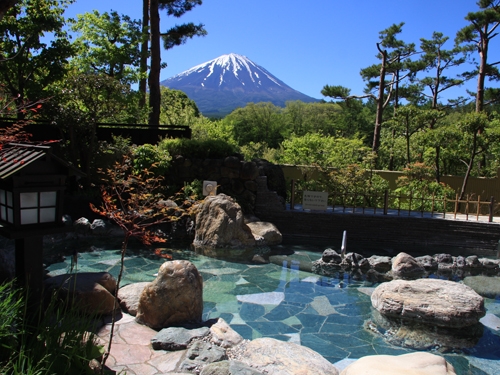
x: 285, y: 301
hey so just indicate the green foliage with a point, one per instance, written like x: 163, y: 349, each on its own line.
x: 108, y: 44
x: 110, y: 153
x: 259, y: 150
x: 177, y: 108
x: 419, y: 184
x: 47, y: 339
x: 204, y: 149
x: 257, y: 122
x: 325, y: 151
x: 204, y: 129
x: 30, y: 62
x: 152, y: 158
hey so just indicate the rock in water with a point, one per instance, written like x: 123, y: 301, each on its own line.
x: 408, y: 364
x: 429, y: 301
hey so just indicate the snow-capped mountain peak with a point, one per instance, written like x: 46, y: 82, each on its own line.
x: 231, y: 81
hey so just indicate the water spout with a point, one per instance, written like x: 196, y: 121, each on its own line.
x: 344, y: 244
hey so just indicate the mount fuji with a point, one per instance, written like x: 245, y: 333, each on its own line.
x: 230, y: 81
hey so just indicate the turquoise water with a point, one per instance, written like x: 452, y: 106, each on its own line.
x: 281, y: 300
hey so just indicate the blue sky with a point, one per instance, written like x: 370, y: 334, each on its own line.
x: 306, y: 44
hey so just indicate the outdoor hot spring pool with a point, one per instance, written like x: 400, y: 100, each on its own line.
x: 280, y: 299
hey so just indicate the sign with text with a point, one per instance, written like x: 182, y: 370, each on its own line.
x: 314, y: 200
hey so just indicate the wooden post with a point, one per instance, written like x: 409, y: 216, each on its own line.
x: 386, y: 201
x: 456, y: 206
x: 492, y: 202
x: 29, y: 264
x: 478, y: 207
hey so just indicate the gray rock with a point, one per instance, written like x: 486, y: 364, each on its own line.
x: 229, y: 368
x: 265, y: 233
x: 490, y: 264
x: 273, y: 357
x: 177, y: 338
x: 429, y: 301
x: 82, y: 225
x: 100, y: 228
x: 427, y: 262
x: 129, y: 296
x: 380, y: 263
x: 199, y: 354
x: 405, y: 266
x: 175, y: 297
x: 331, y: 256
x: 472, y: 261
x: 223, y: 335
x: 486, y: 286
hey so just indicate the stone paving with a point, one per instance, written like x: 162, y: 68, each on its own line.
x: 281, y: 301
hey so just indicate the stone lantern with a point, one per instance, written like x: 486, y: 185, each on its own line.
x: 32, y: 183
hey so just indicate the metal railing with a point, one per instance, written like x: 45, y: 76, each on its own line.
x: 409, y: 205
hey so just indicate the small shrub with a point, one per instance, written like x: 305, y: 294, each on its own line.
x: 198, y: 149
x: 152, y: 158
x: 418, y: 183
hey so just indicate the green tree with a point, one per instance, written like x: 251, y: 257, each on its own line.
x: 175, y: 36
x: 29, y: 61
x: 321, y: 150
x: 479, y: 132
x: 80, y: 102
x: 393, y: 54
x: 408, y: 120
x: 177, y: 108
x: 257, y: 122
x: 480, y: 32
x: 108, y: 44
x: 437, y: 61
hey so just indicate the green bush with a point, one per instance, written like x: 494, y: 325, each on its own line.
x: 152, y: 158
x: 43, y: 340
x: 419, y: 191
x: 198, y: 149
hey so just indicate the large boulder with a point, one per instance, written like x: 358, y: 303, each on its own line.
x: 408, y: 364
x: 175, y: 297
x: 92, y: 292
x: 220, y: 223
x: 429, y: 301
x: 271, y: 356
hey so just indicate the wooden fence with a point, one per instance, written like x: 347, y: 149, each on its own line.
x: 410, y: 205
x: 138, y: 133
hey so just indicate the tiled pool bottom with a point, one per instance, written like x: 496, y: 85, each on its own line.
x: 283, y: 302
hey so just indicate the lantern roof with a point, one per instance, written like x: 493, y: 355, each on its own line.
x: 16, y: 156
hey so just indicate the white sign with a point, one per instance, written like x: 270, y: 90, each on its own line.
x: 209, y: 188
x: 314, y: 200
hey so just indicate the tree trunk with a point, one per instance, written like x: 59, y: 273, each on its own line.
x: 483, y: 56
x: 144, y: 53
x: 380, y: 103
x: 469, y: 167
x: 154, y: 72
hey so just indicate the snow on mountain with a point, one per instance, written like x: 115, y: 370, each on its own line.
x: 230, y: 81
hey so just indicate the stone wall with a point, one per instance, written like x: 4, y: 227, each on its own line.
x: 234, y: 176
